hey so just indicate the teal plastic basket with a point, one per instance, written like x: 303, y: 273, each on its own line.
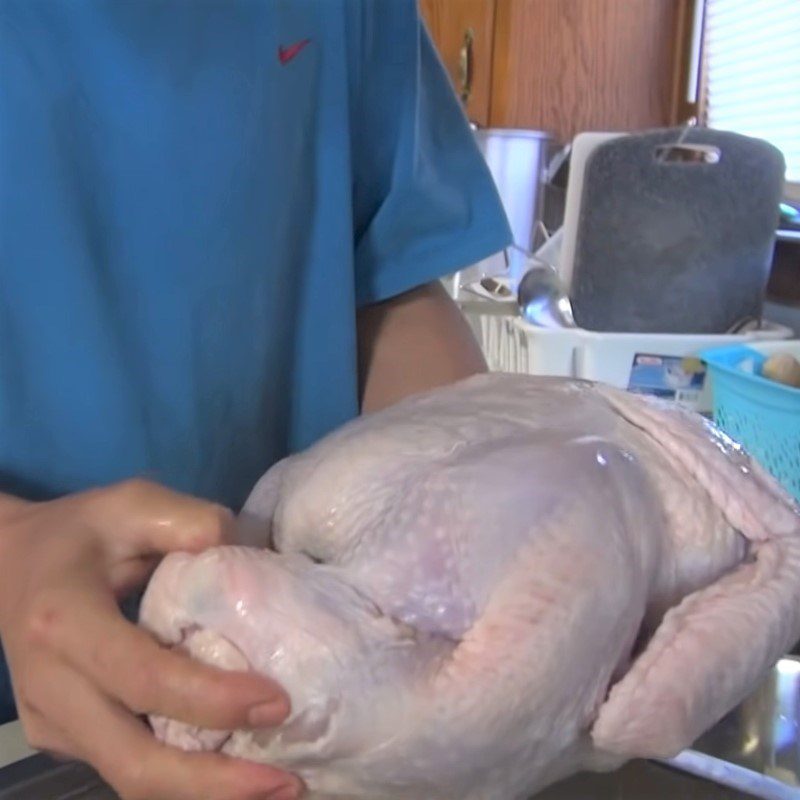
x: 761, y: 415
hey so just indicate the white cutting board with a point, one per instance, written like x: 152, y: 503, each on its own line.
x: 582, y: 147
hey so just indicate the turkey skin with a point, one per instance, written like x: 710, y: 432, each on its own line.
x: 485, y: 588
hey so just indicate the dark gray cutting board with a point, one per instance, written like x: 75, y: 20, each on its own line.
x: 675, y: 246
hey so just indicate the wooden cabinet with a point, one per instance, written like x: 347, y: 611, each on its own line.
x: 565, y: 65
x: 463, y: 31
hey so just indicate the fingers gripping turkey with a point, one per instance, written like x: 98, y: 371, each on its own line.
x: 487, y: 587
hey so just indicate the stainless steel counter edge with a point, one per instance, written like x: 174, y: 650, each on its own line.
x: 724, y: 773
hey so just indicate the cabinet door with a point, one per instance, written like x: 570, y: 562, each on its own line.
x: 572, y: 65
x: 463, y: 31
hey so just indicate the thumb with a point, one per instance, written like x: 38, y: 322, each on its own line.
x: 143, y: 518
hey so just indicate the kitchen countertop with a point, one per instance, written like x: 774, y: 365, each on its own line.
x: 37, y: 777
x: 12, y: 744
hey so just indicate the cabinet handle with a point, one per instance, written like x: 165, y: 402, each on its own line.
x: 465, y: 64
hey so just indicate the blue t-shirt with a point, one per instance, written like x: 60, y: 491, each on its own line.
x: 195, y: 198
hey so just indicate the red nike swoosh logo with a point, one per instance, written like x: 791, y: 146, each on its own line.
x: 286, y: 54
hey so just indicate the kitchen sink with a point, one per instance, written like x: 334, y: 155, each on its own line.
x: 753, y: 752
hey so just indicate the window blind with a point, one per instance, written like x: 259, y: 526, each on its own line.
x: 752, y: 72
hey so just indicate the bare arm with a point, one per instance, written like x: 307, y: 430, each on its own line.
x: 411, y: 343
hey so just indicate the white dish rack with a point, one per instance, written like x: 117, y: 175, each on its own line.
x: 512, y: 345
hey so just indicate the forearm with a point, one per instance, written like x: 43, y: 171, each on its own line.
x: 10, y: 506
x: 417, y: 341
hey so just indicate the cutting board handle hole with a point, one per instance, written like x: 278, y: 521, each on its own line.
x: 687, y: 154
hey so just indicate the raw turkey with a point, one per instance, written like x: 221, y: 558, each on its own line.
x: 488, y: 587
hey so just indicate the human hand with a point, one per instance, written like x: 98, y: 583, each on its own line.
x: 83, y: 675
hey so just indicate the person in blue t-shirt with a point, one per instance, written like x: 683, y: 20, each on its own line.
x: 221, y: 229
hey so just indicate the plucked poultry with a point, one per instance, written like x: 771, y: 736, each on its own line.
x: 487, y: 587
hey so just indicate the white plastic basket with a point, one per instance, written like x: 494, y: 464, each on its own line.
x: 511, y: 345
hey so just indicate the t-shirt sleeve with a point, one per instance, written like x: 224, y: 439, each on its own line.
x: 425, y: 203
